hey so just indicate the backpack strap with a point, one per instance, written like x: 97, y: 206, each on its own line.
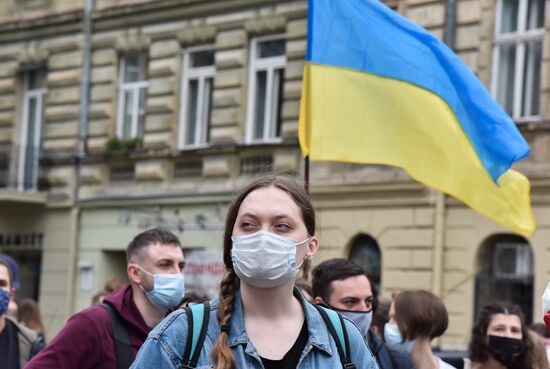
x: 197, y: 325
x: 123, y: 347
x: 37, y: 346
x: 337, y: 328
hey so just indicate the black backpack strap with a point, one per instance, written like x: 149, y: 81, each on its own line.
x: 197, y: 324
x: 337, y: 328
x: 123, y: 347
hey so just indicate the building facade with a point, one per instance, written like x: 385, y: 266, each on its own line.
x: 116, y: 115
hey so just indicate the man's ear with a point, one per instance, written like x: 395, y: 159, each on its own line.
x: 12, y: 293
x: 318, y: 300
x: 133, y: 273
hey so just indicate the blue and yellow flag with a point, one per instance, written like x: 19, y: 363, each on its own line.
x: 380, y: 89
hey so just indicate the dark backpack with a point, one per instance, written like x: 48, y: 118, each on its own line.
x: 123, y: 347
x: 197, y: 322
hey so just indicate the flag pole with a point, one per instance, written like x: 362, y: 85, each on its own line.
x: 306, y: 174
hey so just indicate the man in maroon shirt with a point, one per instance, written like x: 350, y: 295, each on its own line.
x: 155, y: 271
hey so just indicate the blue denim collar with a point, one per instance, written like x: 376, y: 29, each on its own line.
x: 317, y: 330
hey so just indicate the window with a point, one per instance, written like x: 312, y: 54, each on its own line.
x: 266, y: 77
x: 517, y: 57
x: 365, y: 252
x: 505, y: 273
x: 34, y: 93
x: 131, y: 98
x: 196, y: 97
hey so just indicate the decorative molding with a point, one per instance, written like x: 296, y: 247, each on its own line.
x: 197, y: 35
x: 263, y: 26
x: 132, y: 41
x: 32, y: 55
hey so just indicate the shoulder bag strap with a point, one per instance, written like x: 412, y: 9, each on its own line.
x: 123, y: 347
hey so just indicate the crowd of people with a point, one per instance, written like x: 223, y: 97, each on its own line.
x: 271, y: 312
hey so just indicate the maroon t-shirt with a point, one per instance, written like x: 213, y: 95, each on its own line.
x: 86, y: 341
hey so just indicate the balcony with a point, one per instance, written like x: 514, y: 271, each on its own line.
x: 25, y: 183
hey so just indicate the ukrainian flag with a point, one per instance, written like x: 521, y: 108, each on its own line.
x: 379, y: 89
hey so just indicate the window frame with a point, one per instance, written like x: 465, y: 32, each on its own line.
x: 519, y: 38
x: 39, y: 94
x: 202, y: 120
x: 270, y: 65
x: 136, y: 87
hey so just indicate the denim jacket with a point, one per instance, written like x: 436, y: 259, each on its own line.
x: 164, y: 347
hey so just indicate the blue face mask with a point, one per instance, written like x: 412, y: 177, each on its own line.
x: 394, y: 339
x: 5, y: 297
x: 168, y: 290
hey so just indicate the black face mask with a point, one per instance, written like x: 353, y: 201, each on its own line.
x: 505, y: 350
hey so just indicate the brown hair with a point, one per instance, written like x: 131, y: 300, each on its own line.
x: 113, y: 284
x: 420, y: 313
x: 478, y: 348
x: 221, y: 353
x: 147, y: 238
x: 29, y: 313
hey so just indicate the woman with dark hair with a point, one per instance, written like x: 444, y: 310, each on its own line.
x: 260, y: 320
x: 416, y: 318
x: 500, y: 340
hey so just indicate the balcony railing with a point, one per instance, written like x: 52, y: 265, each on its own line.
x: 26, y: 176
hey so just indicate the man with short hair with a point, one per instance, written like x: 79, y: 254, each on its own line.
x: 17, y: 343
x: 155, y: 265
x: 344, y: 287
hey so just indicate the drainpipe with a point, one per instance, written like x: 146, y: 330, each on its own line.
x: 82, y: 149
x: 450, y: 23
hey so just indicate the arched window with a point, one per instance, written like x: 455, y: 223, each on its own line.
x: 364, y: 251
x: 505, y: 273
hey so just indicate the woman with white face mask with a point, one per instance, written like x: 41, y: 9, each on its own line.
x: 416, y: 318
x: 260, y: 320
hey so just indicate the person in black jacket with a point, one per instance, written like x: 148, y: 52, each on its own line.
x: 17, y: 343
x: 344, y: 287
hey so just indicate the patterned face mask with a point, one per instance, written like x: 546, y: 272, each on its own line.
x: 5, y: 297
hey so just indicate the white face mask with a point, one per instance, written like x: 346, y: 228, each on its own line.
x: 394, y: 339
x: 264, y: 259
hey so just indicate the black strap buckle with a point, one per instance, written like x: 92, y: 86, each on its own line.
x: 349, y: 366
